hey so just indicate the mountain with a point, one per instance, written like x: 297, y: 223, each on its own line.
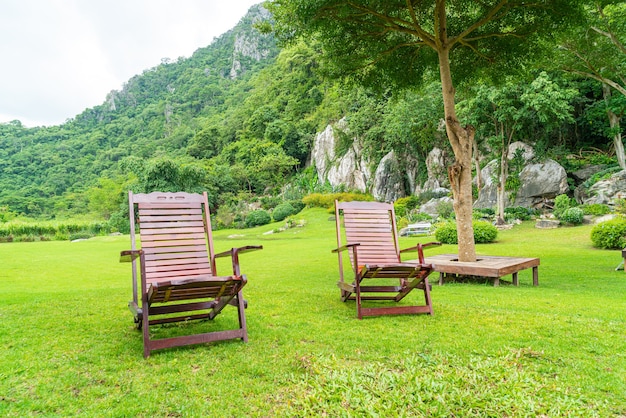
x: 45, y: 170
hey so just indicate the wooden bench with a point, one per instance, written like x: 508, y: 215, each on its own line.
x: 494, y: 267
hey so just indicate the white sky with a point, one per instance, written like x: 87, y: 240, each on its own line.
x: 59, y: 57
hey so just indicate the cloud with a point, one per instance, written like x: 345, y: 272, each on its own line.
x: 63, y: 56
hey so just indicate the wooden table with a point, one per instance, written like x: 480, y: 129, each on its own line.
x: 484, y: 266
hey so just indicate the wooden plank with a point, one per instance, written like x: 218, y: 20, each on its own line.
x: 485, y: 266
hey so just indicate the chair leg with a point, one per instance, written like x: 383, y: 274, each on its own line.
x: 427, y: 296
x: 359, y: 313
x: 146, y: 330
x: 242, y: 316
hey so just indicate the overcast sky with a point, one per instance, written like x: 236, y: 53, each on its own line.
x: 59, y: 57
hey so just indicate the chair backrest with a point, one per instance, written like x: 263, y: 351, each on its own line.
x: 175, y: 235
x: 373, y: 226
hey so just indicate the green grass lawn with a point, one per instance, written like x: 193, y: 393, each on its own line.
x: 69, y: 347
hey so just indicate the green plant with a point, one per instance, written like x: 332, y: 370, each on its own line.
x: 520, y: 212
x: 572, y: 216
x: 561, y: 203
x: 327, y: 201
x: 445, y: 232
x: 596, y: 209
x: 484, y: 232
x: 445, y: 209
x: 620, y: 206
x: 609, y: 234
x: 282, y: 211
x: 257, y: 218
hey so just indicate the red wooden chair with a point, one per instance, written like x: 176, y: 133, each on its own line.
x: 372, y: 243
x: 177, y: 279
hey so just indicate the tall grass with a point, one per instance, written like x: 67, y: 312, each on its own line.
x: 70, y: 349
x: 20, y: 230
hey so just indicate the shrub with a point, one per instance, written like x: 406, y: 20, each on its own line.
x: 620, y: 206
x: 561, y: 203
x: 445, y: 209
x: 328, y: 200
x: 484, y: 232
x: 610, y: 234
x: 282, y: 211
x: 596, y: 209
x: 519, y: 212
x: 446, y: 233
x: 404, y: 205
x: 572, y: 216
x: 257, y: 217
x: 80, y: 235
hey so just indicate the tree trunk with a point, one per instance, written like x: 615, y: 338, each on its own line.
x: 504, y: 173
x: 460, y: 172
x: 479, y: 177
x: 614, y: 123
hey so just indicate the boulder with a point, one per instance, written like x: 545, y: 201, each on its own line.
x: 437, y: 163
x: 488, y: 195
x: 349, y: 170
x: 585, y: 173
x: 527, y: 151
x: 388, y: 179
x: 541, y: 182
x: 431, y: 207
x: 608, y: 191
x: 547, y: 224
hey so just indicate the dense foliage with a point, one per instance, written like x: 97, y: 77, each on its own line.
x: 484, y: 232
x: 239, y: 123
x: 610, y: 235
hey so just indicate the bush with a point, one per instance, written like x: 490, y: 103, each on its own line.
x: 282, y: 211
x: 572, y: 216
x: 80, y: 235
x: 257, y: 218
x: 484, y: 232
x: 404, y: 205
x: 327, y: 201
x: 610, y: 235
x: 445, y: 209
x: 519, y: 212
x: 596, y: 209
x: 446, y: 233
x: 561, y: 204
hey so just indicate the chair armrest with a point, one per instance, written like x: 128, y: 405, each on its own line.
x: 129, y: 255
x: 234, y: 254
x: 345, y: 247
x: 419, y: 248
x: 238, y: 250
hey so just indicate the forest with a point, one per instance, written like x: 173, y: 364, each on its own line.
x: 239, y: 122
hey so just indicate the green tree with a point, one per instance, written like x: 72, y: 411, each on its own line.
x: 379, y: 43
x: 508, y: 113
x: 597, y: 50
x: 105, y: 198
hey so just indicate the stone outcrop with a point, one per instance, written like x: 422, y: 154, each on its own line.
x: 608, y: 191
x: 388, y: 179
x: 541, y: 182
x: 350, y: 170
x: 487, y: 198
x: 437, y: 163
x: 249, y: 44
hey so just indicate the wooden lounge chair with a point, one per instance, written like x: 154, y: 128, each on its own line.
x: 178, y: 280
x: 372, y: 245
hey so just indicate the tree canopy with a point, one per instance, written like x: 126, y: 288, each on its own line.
x: 403, y: 43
